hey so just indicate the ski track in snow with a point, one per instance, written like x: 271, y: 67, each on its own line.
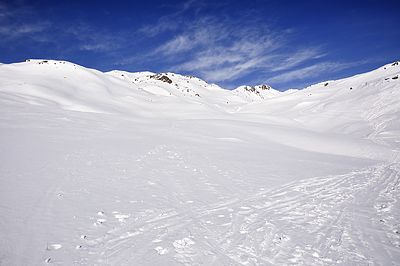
x: 317, y: 221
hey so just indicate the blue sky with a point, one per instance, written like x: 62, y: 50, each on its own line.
x: 285, y: 44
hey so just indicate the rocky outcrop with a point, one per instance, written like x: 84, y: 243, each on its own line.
x: 162, y: 77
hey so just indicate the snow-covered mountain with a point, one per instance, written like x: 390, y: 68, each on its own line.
x: 142, y: 168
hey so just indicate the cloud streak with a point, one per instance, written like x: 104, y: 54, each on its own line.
x: 23, y: 26
x: 18, y: 30
x: 13, y: 23
x: 310, y: 71
x: 223, y: 48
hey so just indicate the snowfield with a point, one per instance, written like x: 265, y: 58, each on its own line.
x: 142, y: 168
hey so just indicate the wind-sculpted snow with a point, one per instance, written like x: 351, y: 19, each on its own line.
x: 142, y: 168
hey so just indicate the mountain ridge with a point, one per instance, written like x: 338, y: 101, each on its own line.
x: 165, y: 84
x: 364, y: 105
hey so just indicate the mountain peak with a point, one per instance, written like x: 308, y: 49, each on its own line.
x: 256, y: 92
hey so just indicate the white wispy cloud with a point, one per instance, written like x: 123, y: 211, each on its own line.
x: 4, y: 11
x: 181, y: 43
x: 23, y: 24
x: 309, y: 71
x: 15, y: 23
x: 17, y: 30
x: 232, y: 71
x: 297, y: 58
x: 172, y: 21
x: 165, y: 24
x: 92, y: 39
x: 220, y: 62
x: 223, y: 48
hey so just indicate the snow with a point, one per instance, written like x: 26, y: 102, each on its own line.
x: 122, y: 168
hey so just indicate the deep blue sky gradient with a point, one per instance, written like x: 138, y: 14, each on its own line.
x: 285, y: 44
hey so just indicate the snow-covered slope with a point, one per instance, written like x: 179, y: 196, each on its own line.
x: 72, y: 87
x: 142, y: 168
x: 365, y: 105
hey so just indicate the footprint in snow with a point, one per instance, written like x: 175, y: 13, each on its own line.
x: 100, y: 222
x: 54, y: 247
x: 181, y: 245
x: 161, y: 250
